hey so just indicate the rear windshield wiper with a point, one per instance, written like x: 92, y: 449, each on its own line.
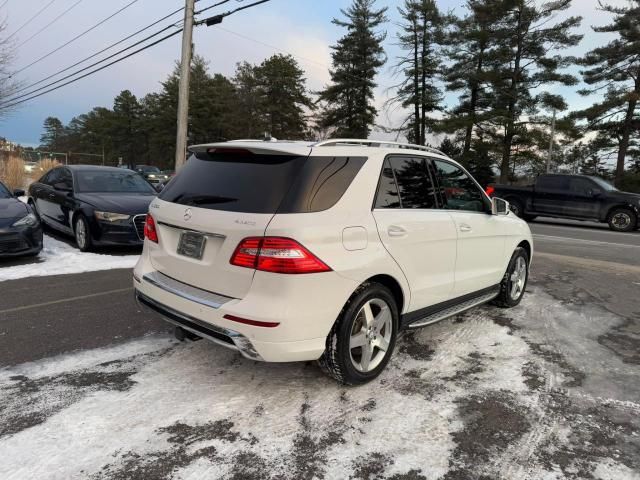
x: 196, y: 200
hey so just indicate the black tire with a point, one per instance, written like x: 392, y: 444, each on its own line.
x: 622, y: 220
x: 338, y: 359
x: 82, y: 241
x: 506, y: 297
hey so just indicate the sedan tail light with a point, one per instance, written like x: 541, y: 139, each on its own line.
x: 490, y: 190
x: 277, y: 255
x: 150, y: 232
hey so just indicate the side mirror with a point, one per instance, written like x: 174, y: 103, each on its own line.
x: 499, y: 206
x: 18, y: 192
x: 159, y: 186
x: 62, y: 187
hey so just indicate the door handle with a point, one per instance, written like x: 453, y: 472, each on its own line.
x: 396, y: 231
x: 465, y: 228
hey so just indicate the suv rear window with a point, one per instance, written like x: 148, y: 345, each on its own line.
x: 256, y: 183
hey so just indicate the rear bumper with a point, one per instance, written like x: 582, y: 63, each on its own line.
x: 304, y: 308
x: 227, y: 338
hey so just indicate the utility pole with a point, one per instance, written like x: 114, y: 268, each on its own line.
x: 553, y: 134
x: 183, y: 88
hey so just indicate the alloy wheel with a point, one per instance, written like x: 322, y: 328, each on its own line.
x: 370, y: 335
x: 621, y: 220
x: 518, y: 278
x: 81, y: 234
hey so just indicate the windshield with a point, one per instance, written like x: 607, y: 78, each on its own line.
x: 112, y: 182
x: 603, y: 184
x: 148, y: 169
x: 4, y: 193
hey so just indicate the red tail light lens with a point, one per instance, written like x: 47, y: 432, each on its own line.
x: 150, y: 232
x: 277, y: 255
x: 490, y: 190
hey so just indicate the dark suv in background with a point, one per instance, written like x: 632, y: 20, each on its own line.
x: 576, y: 197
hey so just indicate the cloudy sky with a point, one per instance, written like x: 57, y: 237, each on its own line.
x: 302, y: 28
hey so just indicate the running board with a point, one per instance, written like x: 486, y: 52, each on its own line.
x: 454, y: 310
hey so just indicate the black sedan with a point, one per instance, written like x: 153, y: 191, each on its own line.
x: 20, y: 229
x: 97, y: 205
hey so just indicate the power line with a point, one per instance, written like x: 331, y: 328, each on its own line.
x: 74, y: 38
x: 216, y: 19
x: 4, y: 3
x: 31, y: 19
x: 22, y: 89
x: 94, y: 71
x: 93, y: 64
x: 207, y: 8
x: 49, y: 24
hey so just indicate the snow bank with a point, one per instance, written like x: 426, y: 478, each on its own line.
x: 58, y: 258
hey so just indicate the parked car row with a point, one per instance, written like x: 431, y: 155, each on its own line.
x: 98, y: 206
x: 20, y: 229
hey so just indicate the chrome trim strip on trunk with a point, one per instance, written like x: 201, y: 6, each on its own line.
x: 454, y: 310
x: 207, y: 234
x: 197, y: 295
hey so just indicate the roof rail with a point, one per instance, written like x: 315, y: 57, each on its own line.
x: 375, y: 143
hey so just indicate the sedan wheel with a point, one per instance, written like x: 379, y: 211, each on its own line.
x: 83, y: 238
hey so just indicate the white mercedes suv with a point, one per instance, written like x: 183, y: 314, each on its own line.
x: 292, y: 251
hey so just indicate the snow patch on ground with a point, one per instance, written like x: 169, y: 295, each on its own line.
x: 57, y: 258
x: 460, y: 399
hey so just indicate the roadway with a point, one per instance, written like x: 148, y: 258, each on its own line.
x: 586, y: 240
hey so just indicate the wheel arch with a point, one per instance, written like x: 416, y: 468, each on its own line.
x: 624, y: 206
x: 392, y: 284
x: 527, y: 247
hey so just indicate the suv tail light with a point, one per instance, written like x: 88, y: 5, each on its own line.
x: 277, y: 255
x: 150, y: 229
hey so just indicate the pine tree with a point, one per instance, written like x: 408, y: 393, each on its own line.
x: 471, y: 47
x: 249, y: 124
x: 357, y: 57
x: 54, y: 133
x: 125, y: 128
x: 420, y: 37
x: 283, y: 96
x: 616, y: 67
x: 528, y: 53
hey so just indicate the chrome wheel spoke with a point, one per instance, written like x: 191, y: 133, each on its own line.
x: 358, y: 340
x: 367, y: 353
x: 368, y: 314
x: 382, y: 343
x: 381, y: 319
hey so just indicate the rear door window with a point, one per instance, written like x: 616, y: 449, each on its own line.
x: 387, y: 195
x: 405, y: 183
x: 256, y: 183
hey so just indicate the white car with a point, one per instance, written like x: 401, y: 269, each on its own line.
x: 297, y: 251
